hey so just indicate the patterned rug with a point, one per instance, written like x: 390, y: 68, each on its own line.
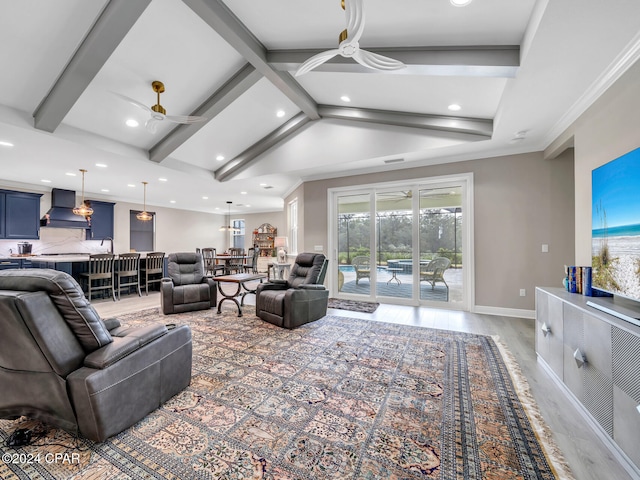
x: 353, y: 305
x: 339, y: 398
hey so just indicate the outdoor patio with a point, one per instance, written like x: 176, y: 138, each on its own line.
x: 387, y: 286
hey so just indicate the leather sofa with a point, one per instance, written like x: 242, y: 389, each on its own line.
x: 187, y: 288
x: 298, y: 300
x: 62, y: 364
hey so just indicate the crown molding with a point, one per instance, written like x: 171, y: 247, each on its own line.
x: 616, y: 69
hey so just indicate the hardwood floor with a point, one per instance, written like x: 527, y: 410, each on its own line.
x: 587, y: 456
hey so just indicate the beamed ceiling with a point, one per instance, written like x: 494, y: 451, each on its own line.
x: 521, y: 72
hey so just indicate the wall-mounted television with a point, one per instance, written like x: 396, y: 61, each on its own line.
x: 615, y: 234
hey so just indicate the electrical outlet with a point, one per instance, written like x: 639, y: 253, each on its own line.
x: 318, y: 248
x: 545, y: 248
x: 523, y: 292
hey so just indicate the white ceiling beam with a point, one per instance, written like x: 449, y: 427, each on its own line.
x: 463, y: 125
x: 489, y: 61
x: 237, y: 85
x: 114, y: 22
x: 218, y: 16
x: 246, y: 158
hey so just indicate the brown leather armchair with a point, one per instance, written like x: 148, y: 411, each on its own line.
x: 300, y: 299
x: 62, y: 364
x: 187, y: 288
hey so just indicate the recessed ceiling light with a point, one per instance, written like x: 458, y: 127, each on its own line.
x: 263, y: 184
x: 460, y: 3
x: 104, y: 190
x: 6, y: 144
x: 131, y: 185
x: 280, y: 113
x: 345, y: 98
x: 162, y: 179
x: 70, y: 174
x: 101, y: 165
x: 217, y: 208
x: 247, y: 205
x: 243, y: 193
x: 454, y: 107
x: 45, y: 181
x: 205, y: 198
x: 220, y: 158
x: 172, y: 201
x: 132, y: 123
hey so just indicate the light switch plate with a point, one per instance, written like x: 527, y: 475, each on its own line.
x: 318, y: 248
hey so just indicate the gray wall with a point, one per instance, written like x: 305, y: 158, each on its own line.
x: 521, y: 202
x: 608, y: 129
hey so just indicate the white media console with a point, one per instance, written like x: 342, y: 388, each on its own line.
x: 595, y: 359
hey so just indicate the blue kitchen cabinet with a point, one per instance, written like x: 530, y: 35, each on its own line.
x: 6, y: 263
x: 101, y: 220
x: 19, y: 215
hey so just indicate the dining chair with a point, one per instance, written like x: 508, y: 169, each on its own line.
x: 152, y: 269
x: 251, y: 265
x: 210, y: 265
x: 99, y: 276
x: 127, y: 273
x: 237, y: 263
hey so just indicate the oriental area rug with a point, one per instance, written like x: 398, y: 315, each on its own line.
x: 339, y: 398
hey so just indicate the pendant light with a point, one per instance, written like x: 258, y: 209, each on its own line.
x: 144, y: 216
x: 229, y: 227
x: 83, y: 210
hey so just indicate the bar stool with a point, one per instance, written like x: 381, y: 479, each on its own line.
x: 152, y: 269
x: 101, y: 272
x: 128, y: 272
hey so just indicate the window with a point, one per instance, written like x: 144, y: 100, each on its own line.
x: 293, y: 226
x: 141, y: 233
x: 237, y: 236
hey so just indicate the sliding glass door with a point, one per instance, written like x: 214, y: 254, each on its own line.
x: 353, y: 268
x: 394, y: 243
x: 403, y: 243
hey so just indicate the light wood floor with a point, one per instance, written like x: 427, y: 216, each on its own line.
x: 586, y: 455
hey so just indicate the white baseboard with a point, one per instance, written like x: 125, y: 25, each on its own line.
x: 505, y: 312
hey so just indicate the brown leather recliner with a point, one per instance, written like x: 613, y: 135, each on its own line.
x: 187, y: 288
x: 300, y: 299
x: 62, y: 364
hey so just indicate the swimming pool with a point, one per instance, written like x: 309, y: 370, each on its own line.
x: 350, y: 269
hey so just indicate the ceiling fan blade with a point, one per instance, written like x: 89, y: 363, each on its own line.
x: 354, y: 11
x: 152, y: 124
x: 377, y: 61
x: 316, y: 61
x: 185, y: 118
x: 132, y: 101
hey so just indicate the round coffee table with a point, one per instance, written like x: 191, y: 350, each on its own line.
x: 394, y: 272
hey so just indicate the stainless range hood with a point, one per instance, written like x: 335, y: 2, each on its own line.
x: 61, y: 214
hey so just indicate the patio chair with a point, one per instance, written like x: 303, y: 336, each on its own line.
x: 362, y: 268
x: 433, y: 271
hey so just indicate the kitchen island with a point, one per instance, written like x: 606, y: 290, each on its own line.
x: 74, y: 265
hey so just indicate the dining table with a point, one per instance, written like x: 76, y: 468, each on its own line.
x: 229, y: 260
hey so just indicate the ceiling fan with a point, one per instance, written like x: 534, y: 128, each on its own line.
x: 157, y: 112
x: 349, y: 46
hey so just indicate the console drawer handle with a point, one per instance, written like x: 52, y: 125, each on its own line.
x: 546, y: 329
x: 579, y: 357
